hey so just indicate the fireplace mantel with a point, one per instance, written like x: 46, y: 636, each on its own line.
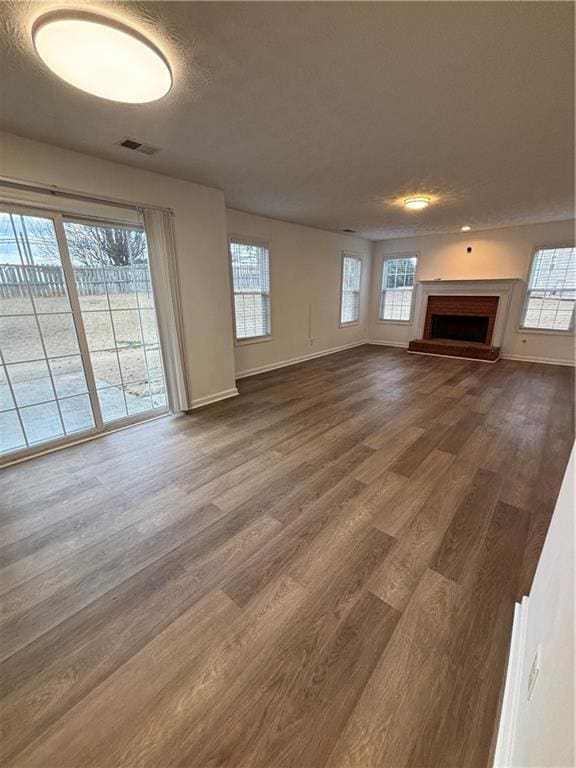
x: 501, y: 287
x: 470, y: 281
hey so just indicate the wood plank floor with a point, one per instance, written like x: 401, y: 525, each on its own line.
x: 320, y: 572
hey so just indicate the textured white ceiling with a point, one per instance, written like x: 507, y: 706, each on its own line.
x: 328, y: 114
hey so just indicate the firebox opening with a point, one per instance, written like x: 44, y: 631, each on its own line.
x: 460, y: 327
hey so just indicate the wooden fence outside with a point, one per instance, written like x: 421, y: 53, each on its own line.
x: 23, y: 280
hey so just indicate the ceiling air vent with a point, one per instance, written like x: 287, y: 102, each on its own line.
x: 349, y: 230
x: 138, y: 146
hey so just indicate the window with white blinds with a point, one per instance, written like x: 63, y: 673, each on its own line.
x: 551, y: 294
x: 397, y: 289
x: 251, y: 285
x: 350, y: 295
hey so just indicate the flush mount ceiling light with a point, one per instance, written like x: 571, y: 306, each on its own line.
x: 416, y: 203
x: 102, y: 56
x: 465, y: 228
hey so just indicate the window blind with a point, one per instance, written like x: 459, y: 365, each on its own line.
x: 350, y: 295
x: 551, y: 294
x: 397, y: 287
x: 251, y: 287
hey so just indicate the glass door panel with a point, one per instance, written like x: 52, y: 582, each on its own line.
x: 111, y: 270
x: 43, y: 386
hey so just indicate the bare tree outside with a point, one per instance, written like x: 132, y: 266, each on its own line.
x: 90, y: 246
x: 93, y: 246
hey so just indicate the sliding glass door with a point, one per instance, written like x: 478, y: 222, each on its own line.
x: 112, y: 276
x: 79, y: 346
x: 43, y: 388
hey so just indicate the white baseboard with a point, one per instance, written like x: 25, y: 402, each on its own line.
x: 544, y: 360
x: 513, y: 688
x: 388, y: 343
x: 199, y: 402
x: 520, y: 358
x: 453, y: 357
x: 296, y: 360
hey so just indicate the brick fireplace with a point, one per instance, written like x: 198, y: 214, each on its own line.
x: 459, y: 326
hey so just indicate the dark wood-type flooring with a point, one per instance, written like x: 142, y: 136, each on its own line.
x: 320, y: 572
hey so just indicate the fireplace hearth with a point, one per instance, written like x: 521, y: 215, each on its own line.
x: 459, y: 326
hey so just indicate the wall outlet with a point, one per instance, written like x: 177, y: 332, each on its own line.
x: 534, y: 671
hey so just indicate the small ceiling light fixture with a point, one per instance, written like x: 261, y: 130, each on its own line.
x: 465, y: 228
x: 102, y: 56
x: 416, y: 203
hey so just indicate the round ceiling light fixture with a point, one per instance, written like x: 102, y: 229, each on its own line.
x: 102, y: 56
x: 465, y: 228
x: 416, y: 203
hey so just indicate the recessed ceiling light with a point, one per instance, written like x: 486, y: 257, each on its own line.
x: 102, y: 56
x: 466, y: 228
x: 416, y: 203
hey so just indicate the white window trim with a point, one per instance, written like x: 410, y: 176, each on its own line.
x: 245, y: 240
x: 358, y: 257
x: 391, y: 257
x: 543, y: 331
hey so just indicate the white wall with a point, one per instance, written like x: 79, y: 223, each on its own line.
x: 305, y: 268
x: 540, y: 732
x: 200, y: 228
x: 497, y: 253
x: 305, y: 274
